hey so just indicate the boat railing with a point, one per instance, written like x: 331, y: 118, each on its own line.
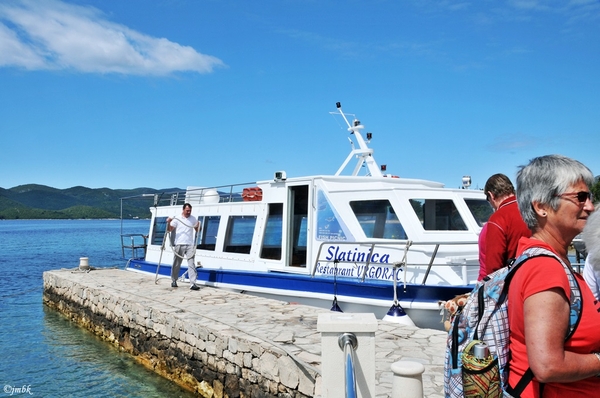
x: 136, y: 243
x: 405, y: 246
x: 203, y: 195
x: 466, y: 262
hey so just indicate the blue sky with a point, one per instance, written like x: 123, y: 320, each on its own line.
x: 171, y: 93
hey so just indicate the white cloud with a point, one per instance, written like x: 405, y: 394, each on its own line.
x: 51, y: 34
x: 15, y: 52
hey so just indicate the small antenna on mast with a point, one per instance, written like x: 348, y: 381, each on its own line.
x: 339, y: 106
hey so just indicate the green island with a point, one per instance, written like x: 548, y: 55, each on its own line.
x: 33, y: 201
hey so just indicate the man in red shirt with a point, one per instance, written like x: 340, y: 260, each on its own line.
x: 505, y: 226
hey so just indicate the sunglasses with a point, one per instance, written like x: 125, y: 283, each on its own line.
x: 581, y: 196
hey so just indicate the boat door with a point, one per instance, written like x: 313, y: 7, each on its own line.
x: 297, y: 233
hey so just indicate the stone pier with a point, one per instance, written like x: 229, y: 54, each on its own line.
x: 223, y: 344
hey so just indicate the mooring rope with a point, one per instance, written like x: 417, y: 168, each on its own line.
x: 162, y: 249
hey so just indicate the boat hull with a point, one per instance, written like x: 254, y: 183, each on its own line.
x: 421, y: 302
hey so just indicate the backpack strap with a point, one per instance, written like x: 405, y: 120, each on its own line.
x: 480, y: 311
x: 575, y: 304
x: 575, y: 299
x: 454, y: 346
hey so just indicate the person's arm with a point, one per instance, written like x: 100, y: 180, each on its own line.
x: 169, y: 226
x: 495, y: 247
x: 546, y: 316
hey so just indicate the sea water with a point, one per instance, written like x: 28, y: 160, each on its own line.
x: 43, y: 353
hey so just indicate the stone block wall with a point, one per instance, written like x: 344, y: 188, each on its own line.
x: 201, y: 355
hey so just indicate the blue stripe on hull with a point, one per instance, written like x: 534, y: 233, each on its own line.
x: 353, y: 287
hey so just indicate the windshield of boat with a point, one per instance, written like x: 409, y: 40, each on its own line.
x: 438, y: 214
x: 378, y: 219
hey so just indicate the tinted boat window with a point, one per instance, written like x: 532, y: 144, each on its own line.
x: 481, y: 210
x: 329, y: 225
x: 271, y: 246
x: 158, y: 230
x: 210, y: 227
x: 240, y: 230
x: 438, y: 214
x: 378, y: 219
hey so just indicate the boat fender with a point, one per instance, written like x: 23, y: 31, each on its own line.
x: 397, y: 315
x: 335, y: 306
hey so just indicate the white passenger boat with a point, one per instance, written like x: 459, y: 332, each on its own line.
x: 362, y: 241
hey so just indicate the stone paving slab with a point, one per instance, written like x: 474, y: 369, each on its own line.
x: 287, y: 326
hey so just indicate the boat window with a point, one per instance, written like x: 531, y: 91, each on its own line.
x: 300, y: 237
x: 438, y: 214
x: 481, y: 210
x: 297, y: 228
x: 329, y: 225
x: 158, y: 230
x: 240, y: 230
x: 378, y: 219
x: 271, y: 246
x: 210, y: 227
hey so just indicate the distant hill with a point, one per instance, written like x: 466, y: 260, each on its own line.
x: 34, y: 201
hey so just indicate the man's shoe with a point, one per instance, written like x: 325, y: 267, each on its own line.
x: 173, y: 284
x: 194, y: 287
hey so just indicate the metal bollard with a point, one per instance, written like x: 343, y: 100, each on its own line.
x: 363, y: 326
x: 84, y: 264
x: 407, y: 379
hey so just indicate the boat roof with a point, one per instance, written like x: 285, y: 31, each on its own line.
x: 395, y: 181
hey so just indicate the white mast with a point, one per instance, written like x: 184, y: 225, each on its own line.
x: 364, y: 154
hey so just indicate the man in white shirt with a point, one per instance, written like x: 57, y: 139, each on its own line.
x: 184, y: 241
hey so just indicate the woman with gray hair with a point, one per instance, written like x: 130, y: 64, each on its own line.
x: 591, y: 238
x: 554, y: 198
